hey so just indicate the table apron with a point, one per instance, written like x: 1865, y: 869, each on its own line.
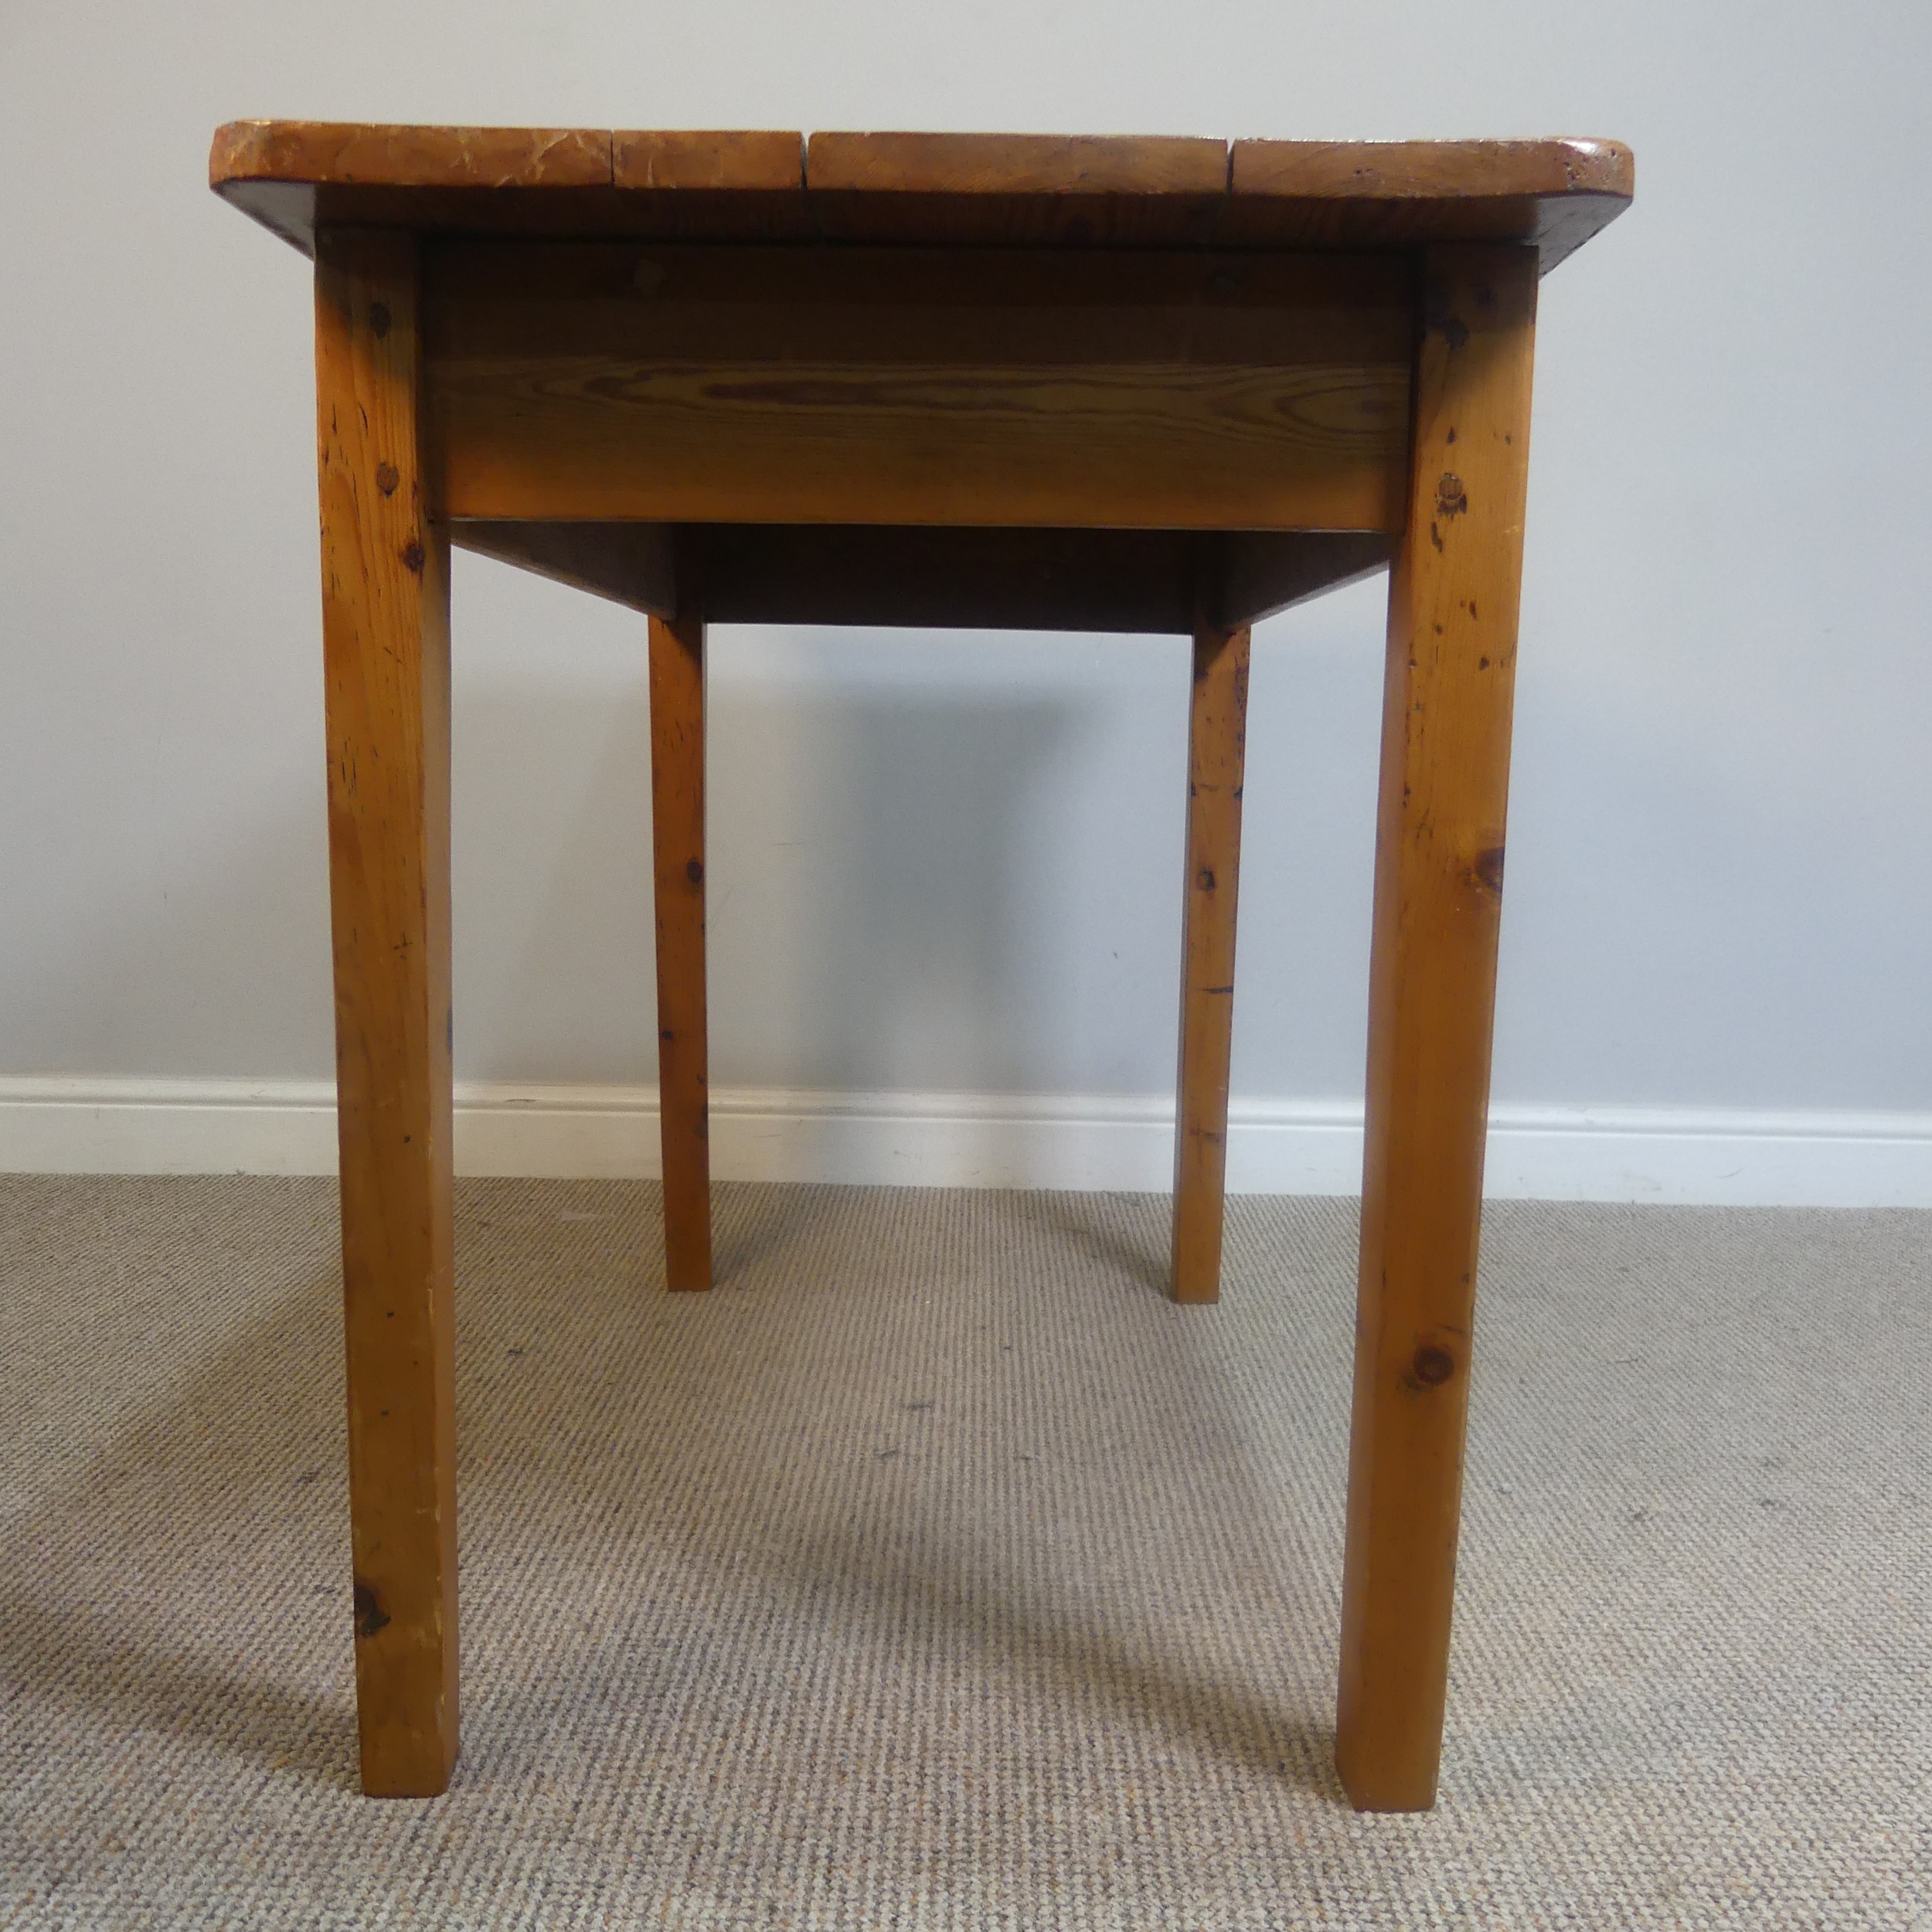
x: 1041, y: 388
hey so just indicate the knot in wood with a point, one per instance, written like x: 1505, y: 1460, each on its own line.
x: 370, y: 1616
x: 1433, y: 1365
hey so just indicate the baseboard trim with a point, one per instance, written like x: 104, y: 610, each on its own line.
x: 122, y: 1126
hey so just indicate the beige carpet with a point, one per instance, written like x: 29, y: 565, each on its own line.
x: 936, y: 1572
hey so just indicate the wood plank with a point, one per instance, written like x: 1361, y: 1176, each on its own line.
x: 727, y: 186
x: 297, y: 177
x: 1438, y: 897
x: 1123, y: 449
x: 386, y: 660
x: 1217, y: 739
x: 776, y: 386
x: 957, y: 164
x: 767, y: 162
x: 1068, y: 190
x: 677, y: 837
x: 375, y: 154
x: 294, y: 177
x: 1552, y: 194
x: 1431, y: 170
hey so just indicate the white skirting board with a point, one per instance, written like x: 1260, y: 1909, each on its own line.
x: 109, y: 1125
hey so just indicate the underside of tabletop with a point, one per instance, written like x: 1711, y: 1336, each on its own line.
x: 1172, y: 581
x: 1065, y: 191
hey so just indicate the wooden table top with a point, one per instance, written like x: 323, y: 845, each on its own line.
x: 1121, y: 191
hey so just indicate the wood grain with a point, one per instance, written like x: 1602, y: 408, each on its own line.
x: 770, y: 163
x: 294, y: 177
x: 1124, y: 449
x: 1430, y: 171
x: 1552, y: 194
x: 376, y: 154
x: 677, y: 837
x: 957, y: 164
x: 1217, y: 741
x: 855, y: 386
x: 1438, y: 896
x: 386, y: 660
x: 747, y: 186
x: 1034, y: 190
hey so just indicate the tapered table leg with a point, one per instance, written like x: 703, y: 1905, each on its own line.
x: 386, y: 648
x: 1445, y: 758
x: 677, y: 824
x: 1216, y: 745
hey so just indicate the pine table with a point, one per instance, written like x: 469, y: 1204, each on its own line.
x: 1107, y: 384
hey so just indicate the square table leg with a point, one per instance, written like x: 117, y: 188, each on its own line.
x: 1217, y: 738
x: 677, y: 835
x: 1438, y: 897
x: 385, y: 556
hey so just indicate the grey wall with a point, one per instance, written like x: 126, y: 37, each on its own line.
x: 955, y: 864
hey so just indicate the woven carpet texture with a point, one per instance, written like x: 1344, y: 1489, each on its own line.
x: 935, y: 1571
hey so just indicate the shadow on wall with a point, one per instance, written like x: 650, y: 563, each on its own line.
x: 904, y: 867
x: 874, y: 872
x: 881, y: 905
x: 950, y: 863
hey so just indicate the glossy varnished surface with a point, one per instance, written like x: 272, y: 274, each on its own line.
x: 1024, y: 189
